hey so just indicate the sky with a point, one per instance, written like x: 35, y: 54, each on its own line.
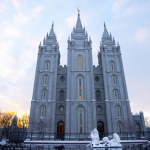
x: 24, y: 23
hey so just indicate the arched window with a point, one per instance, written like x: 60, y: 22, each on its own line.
x: 47, y: 65
x: 116, y: 95
x: 112, y: 65
x: 41, y: 126
x: 80, y: 62
x: 99, y: 109
x: 118, y: 111
x: 137, y: 127
x: 80, y: 116
x: 98, y: 95
x: 45, y: 80
x: 44, y: 94
x: 80, y: 87
x: 100, y: 126
x: 61, y: 95
x: 120, y: 127
x: 42, y: 111
x: 114, y: 80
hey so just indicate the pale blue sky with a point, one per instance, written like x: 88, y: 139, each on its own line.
x: 24, y: 23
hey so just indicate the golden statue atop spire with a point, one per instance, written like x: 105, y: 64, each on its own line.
x: 78, y: 11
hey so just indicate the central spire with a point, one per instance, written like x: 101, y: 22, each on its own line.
x: 79, y: 24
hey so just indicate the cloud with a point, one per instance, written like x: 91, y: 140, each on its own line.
x: 3, y: 6
x: 71, y: 21
x: 16, y: 3
x: 38, y: 9
x: 142, y: 35
x: 11, y: 32
x: 130, y: 10
x: 60, y: 35
x: 119, y: 4
x: 23, y: 18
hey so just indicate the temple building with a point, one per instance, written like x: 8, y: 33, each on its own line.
x: 79, y: 97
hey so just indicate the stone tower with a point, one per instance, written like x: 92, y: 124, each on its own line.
x: 117, y: 105
x: 43, y: 102
x: 80, y: 103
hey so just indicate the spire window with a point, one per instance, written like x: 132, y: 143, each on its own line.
x: 114, y: 80
x: 45, y: 80
x: 61, y: 95
x: 98, y: 95
x: 80, y: 62
x: 44, y: 94
x: 120, y: 127
x: 116, y: 95
x: 80, y: 87
x: 42, y: 113
x: 118, y: 111
x: 112, y: 65
x: 80, y: 116
x: 47, y: 65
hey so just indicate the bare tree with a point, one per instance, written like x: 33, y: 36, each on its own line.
x: 147, y: 123
x: 5, y: 120
x: 129, y: 126
x: 38, y: 125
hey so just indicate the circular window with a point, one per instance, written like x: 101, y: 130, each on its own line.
x: 61, y: 108
x: 99, y: 109
x: 96, y: 78
x: 62, y: 78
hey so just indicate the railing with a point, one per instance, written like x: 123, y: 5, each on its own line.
x: 15, y: 140
x: 21, y: 136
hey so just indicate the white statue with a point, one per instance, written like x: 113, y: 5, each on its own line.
x: 3, y: 142
x: 105, y: 141
x: 95, y: 138
x: 115, y: 142
x: 112, y: 144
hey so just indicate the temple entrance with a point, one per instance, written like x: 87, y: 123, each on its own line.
x: 60, y: 130
x: 100, y: 128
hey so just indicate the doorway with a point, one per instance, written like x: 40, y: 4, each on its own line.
x: 60, y: 130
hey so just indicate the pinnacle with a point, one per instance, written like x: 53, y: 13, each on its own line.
x: 52, y: 30
x: 105, y: 34
x: 79, y: 24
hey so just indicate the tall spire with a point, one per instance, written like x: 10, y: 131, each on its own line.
x: 78, y: 24
x: 105, y: 34
x: 52, y: 30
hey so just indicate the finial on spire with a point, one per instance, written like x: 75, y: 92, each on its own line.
x: 78, y: 11
x: 104, y: 24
